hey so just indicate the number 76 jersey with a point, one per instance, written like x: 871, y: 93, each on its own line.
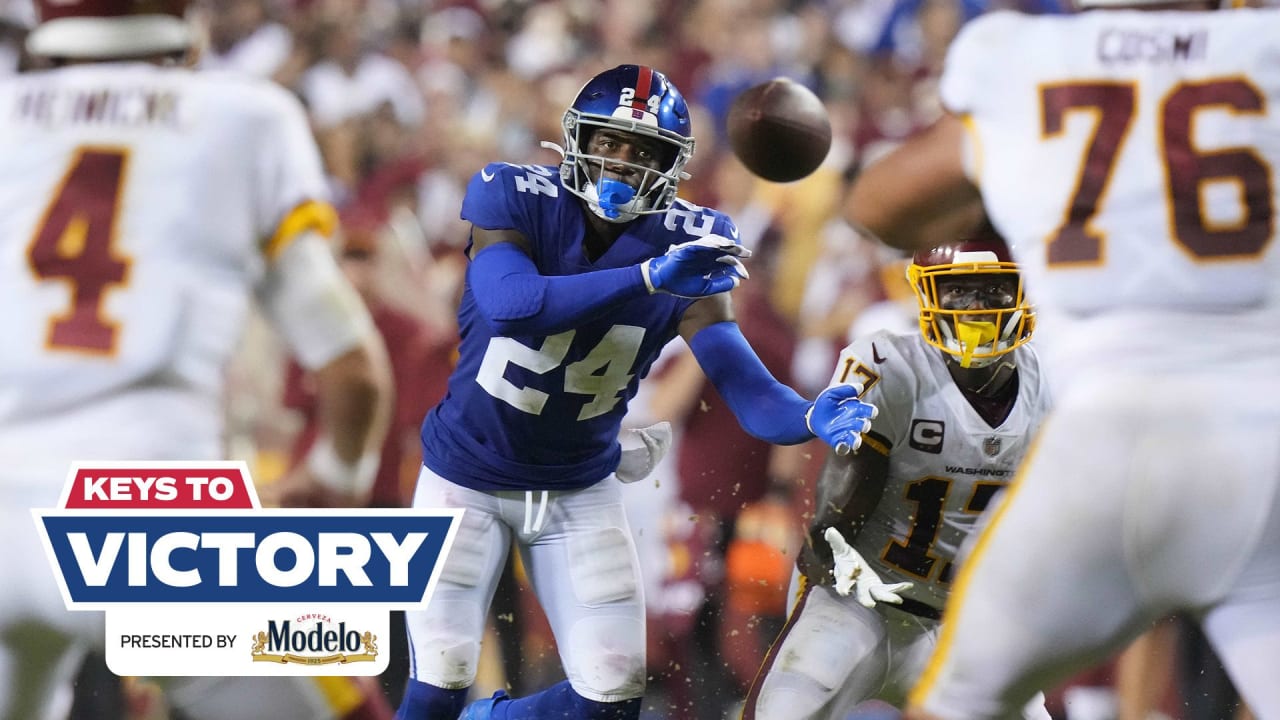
x: 946, y: 463
x: 1130, y: 158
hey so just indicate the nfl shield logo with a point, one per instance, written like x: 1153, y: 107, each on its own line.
x: 991, y: 446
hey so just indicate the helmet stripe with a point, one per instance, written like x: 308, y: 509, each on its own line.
x: 643, y: 83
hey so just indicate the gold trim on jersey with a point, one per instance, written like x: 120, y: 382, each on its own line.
x: 960, y: 588
x: 314, y: 215
x: 875, y: 444
x: 975, y: 147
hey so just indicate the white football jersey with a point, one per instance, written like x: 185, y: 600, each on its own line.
x: 1133, y: 168
x: 945, y: 462
x: 139, y: 207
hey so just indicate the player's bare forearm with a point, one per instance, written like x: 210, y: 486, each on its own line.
x: 834, y: 489
x: 354, y: 392
x: 918, y: 195
x: 848, y: 489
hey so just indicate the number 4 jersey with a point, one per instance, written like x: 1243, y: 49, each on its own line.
x: 139, y: 207
x: 945, y: 462
x: 543, y: 412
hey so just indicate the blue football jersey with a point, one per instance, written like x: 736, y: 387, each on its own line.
x: 543, y: 412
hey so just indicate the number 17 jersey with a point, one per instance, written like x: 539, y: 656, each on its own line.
x: 946, y: 464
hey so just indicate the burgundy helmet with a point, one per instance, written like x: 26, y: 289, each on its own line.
x: 973, y: 338
x: 106, y: 29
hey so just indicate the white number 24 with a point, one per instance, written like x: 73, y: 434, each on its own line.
x: 602, y: 374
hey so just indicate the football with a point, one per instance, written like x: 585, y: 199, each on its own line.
x: 780, y: 130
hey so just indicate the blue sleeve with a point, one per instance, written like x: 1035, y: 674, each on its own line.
x: 764, y: 407
x: 515, y: 299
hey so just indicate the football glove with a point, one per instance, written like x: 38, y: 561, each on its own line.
x: 698, y: 268
x: 840, y: 418
x: 854, y: 574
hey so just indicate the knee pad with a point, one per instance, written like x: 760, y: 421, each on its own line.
x: 450, y: 663
x: 446, y: 644
x: 605, y: 658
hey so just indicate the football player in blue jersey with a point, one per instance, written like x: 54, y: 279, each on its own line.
x: 578, y: 277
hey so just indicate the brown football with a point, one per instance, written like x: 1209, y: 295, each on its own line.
x: 780, y: 130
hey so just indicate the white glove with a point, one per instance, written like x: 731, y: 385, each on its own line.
x: 853, y: 573
x: 642, y: 450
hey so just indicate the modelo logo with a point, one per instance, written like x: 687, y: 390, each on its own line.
x: 323, y: 644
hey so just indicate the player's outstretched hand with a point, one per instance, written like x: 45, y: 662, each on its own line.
x: 840, y: 418
x: 854, y: 574
x: 698, y: 268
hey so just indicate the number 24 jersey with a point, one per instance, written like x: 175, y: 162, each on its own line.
x: 543, y: 412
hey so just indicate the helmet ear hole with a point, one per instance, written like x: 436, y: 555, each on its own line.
x: 667, y: 157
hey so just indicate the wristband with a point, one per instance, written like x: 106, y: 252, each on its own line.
x: 648, y: 281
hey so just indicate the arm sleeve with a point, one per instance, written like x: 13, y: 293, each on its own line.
x: 311, y: 304
x: 765, y: 407
x: 515, y: 299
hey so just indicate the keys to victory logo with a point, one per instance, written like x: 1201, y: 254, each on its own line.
x: 196, y: 578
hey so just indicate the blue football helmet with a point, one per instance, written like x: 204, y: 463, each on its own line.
x: 634, y: 99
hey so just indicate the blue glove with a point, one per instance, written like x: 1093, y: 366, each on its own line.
x: 840, y: 418
x: 698, y: 268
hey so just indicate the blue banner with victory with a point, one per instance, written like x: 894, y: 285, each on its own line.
x: 196, y: 578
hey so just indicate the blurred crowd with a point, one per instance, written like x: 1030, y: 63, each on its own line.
x: 409, y: 98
